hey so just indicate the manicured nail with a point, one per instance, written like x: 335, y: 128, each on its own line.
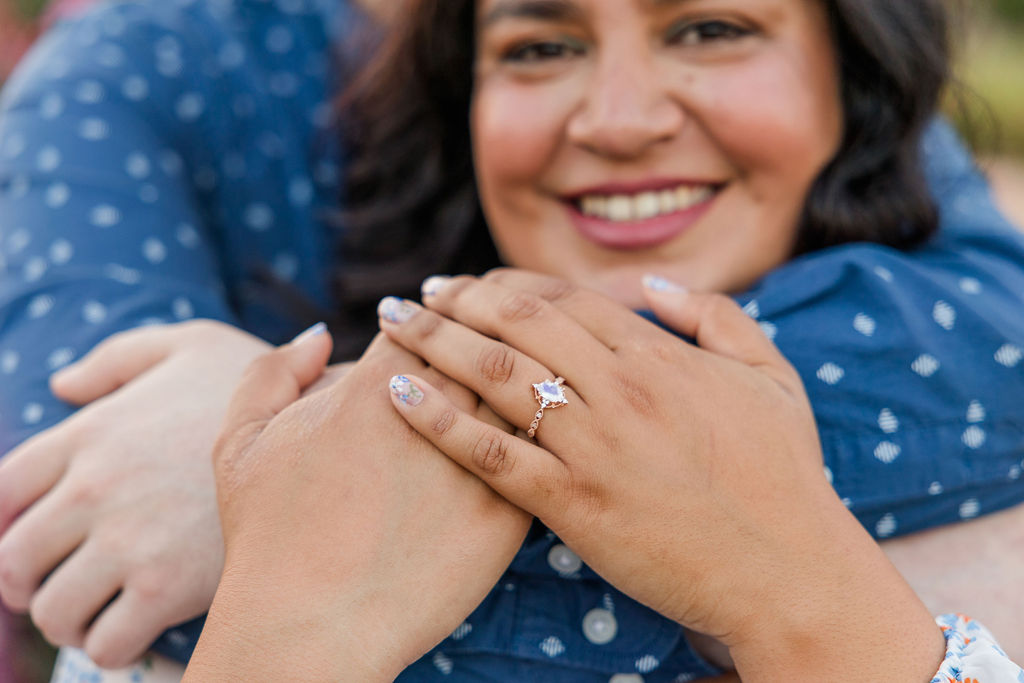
x: 660, y: 284
x: 396, y: 310
x: 433, y: 285
x: 317, y: 329
x: 405, y: 391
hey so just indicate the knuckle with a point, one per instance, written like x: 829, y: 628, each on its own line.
x: 492, y: 456
x: 554, y: 289
x: 86, y: 493
x: 105, y: 655
x: 444, y: 422
x: 519, y: 306
x: 14, y: 583
x: 426, y: 324
x: 457, y: 285
x: 498, y: 275
x: 150, y: 587
x: 496, y: 364
x: 719, y: 305
x: 636, y: 395
x: 54, y: 628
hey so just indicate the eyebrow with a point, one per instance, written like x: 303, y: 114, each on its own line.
x: 545, y: 10
x: 548, y: 10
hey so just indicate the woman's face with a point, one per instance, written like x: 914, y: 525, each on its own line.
x: 615, y: 138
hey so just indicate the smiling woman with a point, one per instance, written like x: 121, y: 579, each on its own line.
x: 711, y: 141
x: 716, y: 146
x: 686, y: 137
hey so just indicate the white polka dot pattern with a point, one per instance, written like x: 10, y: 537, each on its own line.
x: 552, y: 646
x: 155, y: 177
x: 830, y: 373
x: 865, y: 324
x: 443, y: 663
x: 944, y: 315
x: 925, y: 365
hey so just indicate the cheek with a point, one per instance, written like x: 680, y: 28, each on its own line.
x: 778, y: 119
x: 516, y: 130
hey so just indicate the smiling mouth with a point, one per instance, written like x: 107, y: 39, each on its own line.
x: 620, y: 220
x: 640, y: 206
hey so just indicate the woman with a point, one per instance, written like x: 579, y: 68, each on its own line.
x: 577, y: 104
x: 72, y: 391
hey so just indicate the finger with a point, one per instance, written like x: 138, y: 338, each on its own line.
x: 125, y: 629
x: 72, y: 595
x: 32, y: 469
x: 524, y: 474
x: 113, y: 363
x: 499, y: 374
x: 276, y: 380
x: 606, y: 319
x: 715, y: 321
x: 524, y: 320
x: 36, y: 543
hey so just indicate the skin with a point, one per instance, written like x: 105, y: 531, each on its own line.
x: 629, y: 92
x: 86, y: 514
x: 598, y: 135
x: 337, y: 601
x: 651, y: 480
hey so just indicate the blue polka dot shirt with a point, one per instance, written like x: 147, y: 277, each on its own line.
x: 157, y: 157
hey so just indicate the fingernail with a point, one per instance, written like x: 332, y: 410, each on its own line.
x: 396, y: 310
x: 660, y: 284
x: 433, y: 285
x: 405, y: 391
x: 315, y: 330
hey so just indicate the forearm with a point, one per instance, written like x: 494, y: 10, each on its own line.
x: 845, y: 605
x: 256, y: 635
x: 984, y: 580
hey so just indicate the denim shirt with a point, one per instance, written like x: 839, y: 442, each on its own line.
x: 156, y: 157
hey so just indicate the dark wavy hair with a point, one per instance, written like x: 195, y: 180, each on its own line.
x: 412, y: 205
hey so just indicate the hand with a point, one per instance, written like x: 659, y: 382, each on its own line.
x: 352, y: 545
x: 691, y: 478
x: 109, y: 520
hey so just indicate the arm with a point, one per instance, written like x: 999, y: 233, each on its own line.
x: 103, y: 230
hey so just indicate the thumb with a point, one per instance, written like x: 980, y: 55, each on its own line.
x: 113, y: 363
x: 271, y: 383
x: 715, y: 321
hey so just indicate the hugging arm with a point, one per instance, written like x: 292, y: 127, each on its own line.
x: 102, y: 230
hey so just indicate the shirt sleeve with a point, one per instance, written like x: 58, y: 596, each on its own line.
x: 914, y: 360
x: 102, y: 223
x: 973, y: 655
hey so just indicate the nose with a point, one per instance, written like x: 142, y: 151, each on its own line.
x: 626, y: 110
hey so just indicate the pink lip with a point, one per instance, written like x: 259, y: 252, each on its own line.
x: 642, y: 234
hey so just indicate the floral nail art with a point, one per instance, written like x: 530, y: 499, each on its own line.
x: 405, y: 391
x: 396, y: 310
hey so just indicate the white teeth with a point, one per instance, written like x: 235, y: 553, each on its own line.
x: 667, y: 200
x: 620, y: 208
x: 644, y: 205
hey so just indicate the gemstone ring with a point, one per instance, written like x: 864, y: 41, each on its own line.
x: 550, y: 395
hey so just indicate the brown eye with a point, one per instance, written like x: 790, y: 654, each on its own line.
x: 543, y: 51
x: 696, y: 33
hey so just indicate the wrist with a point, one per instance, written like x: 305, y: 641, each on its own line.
x: 845, y: 603
x: 284, y: 633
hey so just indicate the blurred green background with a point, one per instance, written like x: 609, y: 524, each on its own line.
x: 991, y: 69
